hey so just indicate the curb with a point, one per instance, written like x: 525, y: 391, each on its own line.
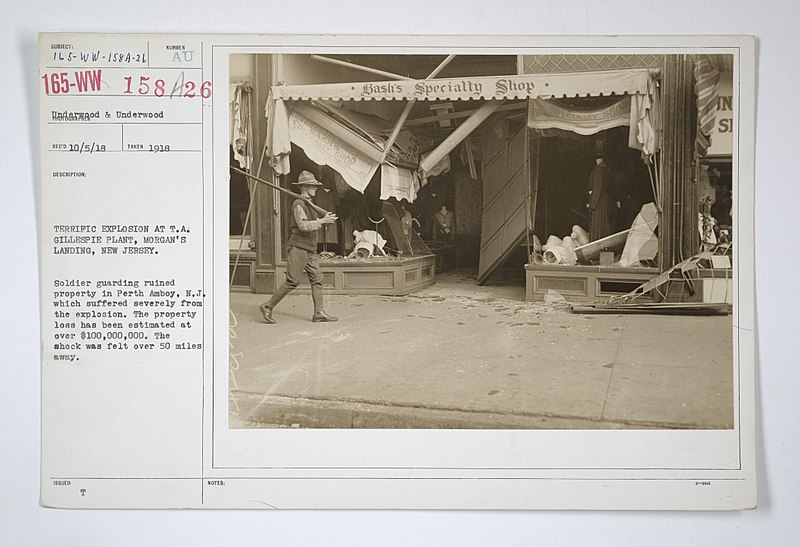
x: 258, y: 410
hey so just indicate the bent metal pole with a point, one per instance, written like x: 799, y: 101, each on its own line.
x: 317, y: 208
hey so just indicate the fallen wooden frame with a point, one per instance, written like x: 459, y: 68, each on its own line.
x: 656, y: 308
x: 626, y: 303
x: 684, y: 268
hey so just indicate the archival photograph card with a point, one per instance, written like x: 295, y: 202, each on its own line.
x: 397, y: 272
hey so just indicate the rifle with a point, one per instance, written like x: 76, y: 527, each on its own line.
x: 310, y: 203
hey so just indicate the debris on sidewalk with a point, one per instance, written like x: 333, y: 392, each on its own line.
x: 554, y: 297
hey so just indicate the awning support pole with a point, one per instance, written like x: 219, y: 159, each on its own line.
x: 441, y: 66
x: 461, y: 133
x: 407, y: 110
x: 391, y: 75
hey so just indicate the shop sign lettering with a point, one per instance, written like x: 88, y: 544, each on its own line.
x: 465, y: 88
x: 722, y: 134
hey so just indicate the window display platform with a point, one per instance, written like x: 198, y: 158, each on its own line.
x: 445, y: 252
x: 392, y: 276
x: 583, y: 283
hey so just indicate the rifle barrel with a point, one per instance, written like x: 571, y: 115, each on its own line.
x: 317, y: 208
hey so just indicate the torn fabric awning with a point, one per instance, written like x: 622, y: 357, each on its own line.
x: 640, y: 111
x: 523, y: 86
x: 544, y: 114
x: 324, y: 147
x: 328, y: 141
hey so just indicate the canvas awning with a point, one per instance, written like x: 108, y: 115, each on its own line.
x: 639, y: 110
x: 327, y: 137
x: 524, y: 86
x: 543, y: 114
x: 326, y: 140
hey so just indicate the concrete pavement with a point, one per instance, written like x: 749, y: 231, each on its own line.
x: 460, y: 355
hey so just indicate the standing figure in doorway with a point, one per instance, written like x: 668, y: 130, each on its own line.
x: 601, y: 201
x: 302, y: 254
x: 443, y: 224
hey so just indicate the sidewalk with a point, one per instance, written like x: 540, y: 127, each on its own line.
x: 460, y: 355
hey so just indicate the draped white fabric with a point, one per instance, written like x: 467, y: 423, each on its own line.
x: 279, y: 144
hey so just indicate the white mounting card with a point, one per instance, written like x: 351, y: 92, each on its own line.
x: 166, y: 222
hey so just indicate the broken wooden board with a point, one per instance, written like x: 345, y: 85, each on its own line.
x: 659, y: 308
x: 591, y: 251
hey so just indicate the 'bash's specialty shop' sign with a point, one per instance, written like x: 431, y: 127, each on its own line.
x: 524, y: 86
x: 434, y: 89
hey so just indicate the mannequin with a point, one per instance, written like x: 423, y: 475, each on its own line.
x: 706, y: 197
x: 601, y: 202
x: 443, y: 223
x: 407, y: 220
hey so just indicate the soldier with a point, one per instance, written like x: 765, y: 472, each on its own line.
x: 302, y: 254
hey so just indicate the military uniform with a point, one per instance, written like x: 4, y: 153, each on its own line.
x: 302, y: 257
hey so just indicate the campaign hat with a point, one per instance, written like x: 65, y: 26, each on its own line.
x: 307, y: 179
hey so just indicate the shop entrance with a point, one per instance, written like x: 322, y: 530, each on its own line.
x: 487, y: 194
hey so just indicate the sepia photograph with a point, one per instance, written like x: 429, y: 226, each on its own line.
x: 482, y: 241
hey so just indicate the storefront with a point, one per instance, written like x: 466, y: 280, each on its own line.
x: 653, y: 182
x: 476, y: 163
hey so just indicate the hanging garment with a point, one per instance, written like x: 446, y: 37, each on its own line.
x: 239, y: 114
x: 279, y: 144
x: 399, y: 183
x: 645, y: 122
